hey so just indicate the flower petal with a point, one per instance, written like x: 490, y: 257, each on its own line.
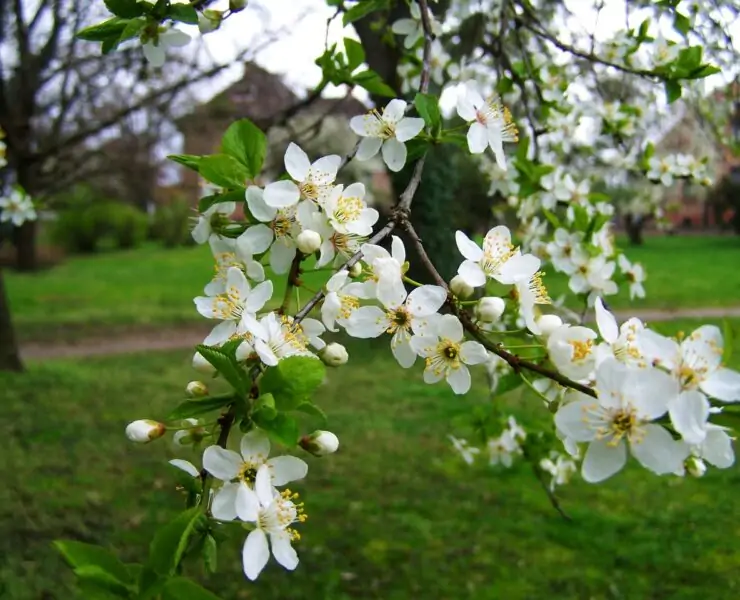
x: 424, y: 345
x: 393, y: 112
x: 202, y: 231
x: 657, y: 451
x: 689, y: 412
x: 246, y: 503
x: 402, y: 350
x: 255, y: 446
x: 467, y: 247
x: 281, y: 255
x: 459, y: 379
x: 281, y: 194
x: 285, y: 469
x: 263, y: 485
x: 223, y: 506
x: 717, y: 448
x: 283, y: 552
x: 570, y: 420
x: 473, y: 353
x: 603, y: 460
x: 257, y: 238
x: 258, y: 296
x: 606, y: 322
x: 367, y: 322
x: 655, y: 347
x: 472, y: 273
x: 325, y: 169
x: 255, y: 554
x: 477, y: 138
x: 394, y: 154
x: 185, y: 465
x: 723, y: 384
x: 426, y: 300
x: 369, y: 147
x: 398, y: 251
x: 221, y: 463
x: 649, y: 391
x: 408, y: 127
x: 220, y: 333
x: 449, y: 327
x: 296, y: 162
x: 256, y: 203
x: 518, y: 268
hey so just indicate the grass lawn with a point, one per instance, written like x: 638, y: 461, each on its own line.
x: 393, y: 515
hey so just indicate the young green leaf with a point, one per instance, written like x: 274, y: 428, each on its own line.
x: 264, y: 407
x: 200, y: 406
x: 179, y: 588
x: 223, y: 170
x: 283, y: 429
x: 102, y: 579
x: 246, y: 143
x: 79, y: 554
x: 183, y: 13
x: 672, y: 90
x: 227, y: 366
x: 355, y: 53
x: 210, y: 553
x: 373, y: 83
x: 427, y: 106
x: 128, y: 9
x: 293, y: 380
x: 206, y: 202
x: 312, y: 410
x: 170, y: 542
x: 362, y: 9
x: 110, y: 29
x: 191, y: 161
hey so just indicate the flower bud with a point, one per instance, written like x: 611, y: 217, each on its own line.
x: 209, y: 20
x: 334, y: 355
x: 237, y: 5
x: 548, y: 324
x: 490, y: 309
x: 308, y: 241
x: 320, y: 443
x: 144, y: 431
x: 460, y: 288
x: 202, y: 365
x: 192, y: 435
x: 695, y: 466
x: 355, y: 270
x: 196, y: 389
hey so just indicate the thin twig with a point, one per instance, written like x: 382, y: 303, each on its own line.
x: 539, y: 475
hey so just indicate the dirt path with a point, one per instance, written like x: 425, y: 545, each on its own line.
x: 187, y: 336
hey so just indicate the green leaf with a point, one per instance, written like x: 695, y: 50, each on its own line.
x: 265, y: 406
x: 246, y: 143
x: 170, y: 542
x: 210, y: 553
x: 110, y: 29
x: 689, y: 59
x: 428, y: 107
x: 206, y: 202
x: 459, y: 139
x: 191, y: 161
x: 223, y: 170
x: 312, y: 410
x: 703, y: 71
x: 372, y: 82
x: 227, y: 366
x: 179, y: 588
x: 728, y: 336
x: 282, y: 429
x: 362, y: 9
x: 681, y: 23
x: 355, y: 53
x: 128, y: 9
x: 552, y: 218
x: 201, y: 406
x: 79, y: 554
x: 672, y: 90
x: 183, y: 13
x: 293, y: 380
x: 104, y: 580
x: 507, y: 383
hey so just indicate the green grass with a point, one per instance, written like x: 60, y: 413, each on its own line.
x: 393, y: 515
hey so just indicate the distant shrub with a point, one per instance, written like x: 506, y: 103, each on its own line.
x: 128, y: 226
x: 171, y: 224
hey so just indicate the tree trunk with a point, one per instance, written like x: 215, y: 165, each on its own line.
x: 25, y: 246
x: 633, y: 225
x: 10, y: 359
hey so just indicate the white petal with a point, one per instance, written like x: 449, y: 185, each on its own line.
x: 424, y: 345
x: 402, y: 350
x: 263, y: 485
x: 257, y: 238
x: 325, y: 169
x: 658, y: 451
x: 606, y: 322
x: 174, y: 38
x: 281, y: 255
x: 367, y: 322
x: 459, y: 379
x: 391, y: 291
x: 649, y: 391
x: 473, y: 353
x: 408, y: 128
x: 154, y: 54
x: 703, y: 348
x: 497, y: 145
x: 283, y: 552
x: 432, y: 376
x: 255, y: 446
x: 393, y: 112
x: 472, y: 273
x: 657, y: 347
x: 221, y: 463
x: 186, y: 466
x: 296, y: 162
x: 426, y: 300
x: 477, y: 138
x: 398, y: 251
x: 394, y: 154
x: 281, y: 194
x: 259, y: 296
x: 602, y: 460
x: 717, y: 449
x: 359, y: 123
x: 369, y: 147
x: 255, y: 554
x: 257, y: 206
x: 246, y: 502
x: 518, y: 268
x: 223, y: 506
x: 337, y: 281
x: 265, y: 353
x: 449, y: 327
x: 220, y: 334
x: 465, y: 108
x: 467, y: 247
x: 723, y: 384
x: 570, y: 420
x: 285, y: 469
x: 202, y: 231
x: 689, y: 413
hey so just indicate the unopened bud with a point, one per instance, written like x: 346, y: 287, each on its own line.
x: 196, y: 389
x: 334, y: 355
x: 202, y: 365
x: 308, y: 241
x: 237, y: 5
x: 695, y: 466
x: 548, y: 324
x: 490, y: 309
x: 192, y: 435
x: 144, y: 431
x: 209, y: 20
x: 320, y: 443
x: 460, y: 288
x: 355, y: 270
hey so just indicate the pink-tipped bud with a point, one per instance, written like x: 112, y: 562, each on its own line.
x: 320, y: 443
x: 144, y: 431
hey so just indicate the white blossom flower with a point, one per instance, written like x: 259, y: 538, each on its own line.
x: 447, y: 355
x: 275, y: 233
x: 192, y: 434
x: 275, y: 338
x: 341, y: 300
x: 635, y: 274
x: 386, y: 279
x: 347, y: 212
x: 215, y: 215
x: 572, y: 351
x: 560, y: 467
x: 503, y: 449
x: 155, y: 49
x: 238, y: 471
x: 415, y: 313
x: 661, y: 169
x: 465, y: 450
x: 529, y: 293
x: 620, y: 342
x: 412, y: 28
x: 16, y: 208
x: 272, y: 513
x: 628, y: 400
x: 498, y: 259
x: 716, y: 447
x: 231, y: 253
x: 311, y: 182
x: 566, y: 251
x: 491, y: 123
x: 695, y: 362
x: 663, y: 52
x: 594, y: 278
x: 236, y: 306
x: 386, y: 132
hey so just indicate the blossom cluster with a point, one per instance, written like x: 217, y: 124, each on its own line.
x: 16, y: 207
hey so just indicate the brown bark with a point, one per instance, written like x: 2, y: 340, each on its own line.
x: 10, y: 359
